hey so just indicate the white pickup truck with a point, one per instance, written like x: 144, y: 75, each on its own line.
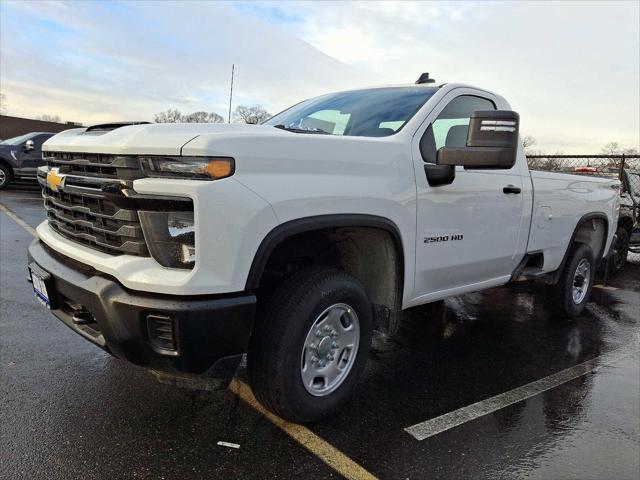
x: 181, y: 247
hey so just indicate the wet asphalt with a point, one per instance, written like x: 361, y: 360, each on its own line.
x: 69, y: 410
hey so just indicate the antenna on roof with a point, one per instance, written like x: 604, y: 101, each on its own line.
x: 424, y: 78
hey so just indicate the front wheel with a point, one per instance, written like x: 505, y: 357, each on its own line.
x: 310, y: 344
x: 572, y: 292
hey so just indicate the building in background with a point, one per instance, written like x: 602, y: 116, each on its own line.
x: 14, y: 126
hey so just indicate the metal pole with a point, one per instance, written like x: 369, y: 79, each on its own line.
x: 622, y: 167
x: 231, y: 92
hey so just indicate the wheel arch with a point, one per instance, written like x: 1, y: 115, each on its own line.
x: 320, y: 223
x: 6, y: 163
x: 578, y: 236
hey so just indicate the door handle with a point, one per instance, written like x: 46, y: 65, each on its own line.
x: 511, y: 189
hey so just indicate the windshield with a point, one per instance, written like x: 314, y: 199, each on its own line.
x: 16, y: 140
x: 375, y: 112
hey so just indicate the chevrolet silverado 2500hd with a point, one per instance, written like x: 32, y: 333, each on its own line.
x: 180, y: 247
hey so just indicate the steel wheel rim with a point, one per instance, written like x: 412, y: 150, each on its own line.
x: 330, y: 350
x: 3, y: 177
x: 581, y: 279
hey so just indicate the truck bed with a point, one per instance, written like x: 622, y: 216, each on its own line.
x: 559, y: 201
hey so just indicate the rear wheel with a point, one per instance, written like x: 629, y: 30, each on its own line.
x: 620, y: 250
x: 5, y: 176
x: 310, y: 344
x: 572, y: 291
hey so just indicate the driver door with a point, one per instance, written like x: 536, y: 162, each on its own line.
x: 467, y: 230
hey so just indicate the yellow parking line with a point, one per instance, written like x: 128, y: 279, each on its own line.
x: 305, y: 437
x: 301, y: 434
x: 18, y: 220
x: 605, y: 287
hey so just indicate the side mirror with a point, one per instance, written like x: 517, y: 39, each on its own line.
x: 28, y: 145
x: 492, y: 142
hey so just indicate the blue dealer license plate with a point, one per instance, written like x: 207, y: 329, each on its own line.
x: 40, y: 289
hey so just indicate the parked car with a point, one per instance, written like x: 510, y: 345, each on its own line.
x: 21, y: 156
x: 180, y: 247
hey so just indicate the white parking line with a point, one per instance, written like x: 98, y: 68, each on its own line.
x: 463, y: 415
x: 18, y: 220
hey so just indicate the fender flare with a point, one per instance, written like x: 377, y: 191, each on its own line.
x: 584, y: 219
x: 7, y: 163
x: 319, y: 222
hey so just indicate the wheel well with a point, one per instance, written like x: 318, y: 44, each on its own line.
x: 6, y: 164
x: 370, y: 253
x: 592, y: 232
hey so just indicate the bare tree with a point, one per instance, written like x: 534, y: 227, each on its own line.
x: 3, y: 103
x: 611, y: 148
x: 551, y: 164
x: 529, y: 141
x: 614, y: 149
x: 174, y: 116
x: 202, y: 117
x: 168, y: 116
x: 254, y: 114
x: 49, y: 118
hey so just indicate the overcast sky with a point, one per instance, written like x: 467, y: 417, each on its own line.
x: 572, y: 70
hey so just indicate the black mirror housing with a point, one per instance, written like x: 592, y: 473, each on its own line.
x: 492, y: 142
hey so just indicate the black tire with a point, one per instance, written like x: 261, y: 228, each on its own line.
x: 563, y: 302
x: 278, y: 339
x: 620, y: 250
x: 6, y: 175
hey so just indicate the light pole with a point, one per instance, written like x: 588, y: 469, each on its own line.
x: 231, y: 92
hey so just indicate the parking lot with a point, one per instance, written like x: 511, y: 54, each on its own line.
x: 490, y: 385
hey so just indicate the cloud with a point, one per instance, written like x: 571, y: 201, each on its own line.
x: 144, y: 57
x: 570, y: 69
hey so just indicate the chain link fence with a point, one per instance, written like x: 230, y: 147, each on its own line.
x: 626, y: 168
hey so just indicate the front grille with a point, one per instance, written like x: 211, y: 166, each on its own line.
x: 95, y: 165
x: 79, y: 209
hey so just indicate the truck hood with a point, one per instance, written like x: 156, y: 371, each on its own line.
x: 147, y: 139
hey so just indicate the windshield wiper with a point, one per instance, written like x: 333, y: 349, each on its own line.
x: 302, y: 130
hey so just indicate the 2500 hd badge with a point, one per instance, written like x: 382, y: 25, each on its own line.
x: 443, y: 238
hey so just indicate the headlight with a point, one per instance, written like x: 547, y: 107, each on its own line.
x: 171, y: 237
x: 200, y: 168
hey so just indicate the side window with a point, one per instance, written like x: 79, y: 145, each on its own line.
x: 38, y: 141
x: 451, y: 127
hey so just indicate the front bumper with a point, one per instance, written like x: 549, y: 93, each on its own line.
x: 199, y: 333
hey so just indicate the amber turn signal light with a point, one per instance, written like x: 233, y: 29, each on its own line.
x: 220, y: 168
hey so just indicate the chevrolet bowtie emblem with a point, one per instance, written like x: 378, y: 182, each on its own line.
x: 55, y: 180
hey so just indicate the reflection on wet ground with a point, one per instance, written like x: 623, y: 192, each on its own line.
x: 470, y: 348
x: 70, y: 411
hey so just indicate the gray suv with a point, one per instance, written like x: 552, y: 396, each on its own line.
x: 21, y: 156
